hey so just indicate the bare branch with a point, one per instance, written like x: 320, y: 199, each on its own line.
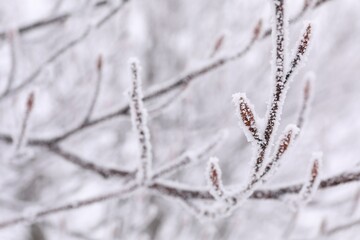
x: 312, y: 183
x: 300, y: 52
x: 87, y: 165
x: 160, y: 108
x: 123, y: 193
x: 218, y: 45
x: 309, y: 79
x: 60, y: 52
x: 307, y: 5
x: 286, y: 140
x: 99, y: 67
x: 279, y: 32
x: 191, y: 157
x: 29, y: 106
x: 61, y: 18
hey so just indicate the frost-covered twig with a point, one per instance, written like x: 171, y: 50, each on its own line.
x: 87, y: 165
x: 125, y: 192
x: 281, y: 80
x: 190, y: 157
x: 183, y: 192
x: 99, y: 67
x: 157, y: 91
x: 307, y: 90
x: 306, y: 6
x: 154, y: 111
x: 170, y: 85
x: 285, y: 141
x: 312, y: 183
x: 300, y: 52
x: 139, y: 122
x: 214, y: 180
x: 36, y: 25
x: 20, y: 140
x: 61, y: 51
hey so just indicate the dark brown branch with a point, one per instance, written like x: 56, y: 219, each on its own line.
x: 87, y: 165
x: 270, y: 194
x: 183, y: 193
x: 295, y: 19
x: 124, y: 192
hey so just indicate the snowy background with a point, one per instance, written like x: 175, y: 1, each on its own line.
x: 170, y: 38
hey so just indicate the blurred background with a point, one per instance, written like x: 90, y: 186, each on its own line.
x: 170, y: 38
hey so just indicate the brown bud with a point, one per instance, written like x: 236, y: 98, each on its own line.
x: 99, y: 63
x: 30, y: 101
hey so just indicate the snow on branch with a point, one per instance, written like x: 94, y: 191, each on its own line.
x: 279, y: 69
x: 279, y: 30
x: 247, y: 117
x: 313, y: 180
x: 139, y: 122
x: 285, y: 141
x: 213, y: 175
x: 300, y: 52
x: 307, y: 90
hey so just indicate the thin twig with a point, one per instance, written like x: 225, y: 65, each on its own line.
x: 64, y: 49
x: 29, y: 106
x: 140, y: 124
x: 99, y: 67
x: 87, y: 165
x: 123, y: 193
x: 193, y: 75
x: 61, y: 18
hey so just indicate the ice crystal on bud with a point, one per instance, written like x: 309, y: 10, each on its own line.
x: 213, y: 174
x: 285, y: 141
x: 247, y: 117
x: 311, y: 183
x: 313, y: 180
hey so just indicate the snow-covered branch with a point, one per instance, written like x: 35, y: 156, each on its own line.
x: 139, y: 122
